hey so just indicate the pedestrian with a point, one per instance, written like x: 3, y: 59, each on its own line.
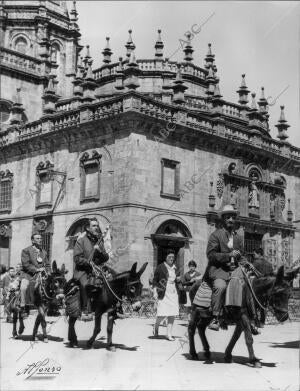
x: 191, y: 277
x: 165, y: 283
x: 9, y: 282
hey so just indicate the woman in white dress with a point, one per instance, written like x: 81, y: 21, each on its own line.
x: 166, y: 291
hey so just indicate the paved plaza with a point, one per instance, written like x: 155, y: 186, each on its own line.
x: 143, y: 363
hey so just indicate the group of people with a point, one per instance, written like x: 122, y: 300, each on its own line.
x: 224, y: 253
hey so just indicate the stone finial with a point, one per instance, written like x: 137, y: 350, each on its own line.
x: 89, y: 85
x: 159, y: 46
x: 209, y: 59
x: 217, y: 93
x: 120, y: 75
x: 253, y: 102
x: 17, y: 109
x: 243, y: 92
x: 87, y: 57
x: 107, y: 53
x: 50, y: 97
x: 74, y: 13
x: 282, y: 126
x: 131, y: 73
x: 263, y: 103
x: 178, y: 87
x: 130, y: 46
x: 211, y: 82
x: 188, y: 49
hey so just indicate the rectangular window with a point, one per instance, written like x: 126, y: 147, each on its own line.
x: 90, y: 169
x: 6, y: 182
x: 44, y: 187
x: 91, y: 181
x: 5, y: 195
x: 170, y: 179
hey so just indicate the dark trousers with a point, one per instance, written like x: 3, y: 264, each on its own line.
x: 218, y: 296
x: 85, y: 301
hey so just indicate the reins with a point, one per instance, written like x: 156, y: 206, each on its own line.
x: 97, y: 270
x: 252, y: 291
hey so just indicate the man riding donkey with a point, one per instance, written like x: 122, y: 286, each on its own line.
x: 225, y: 253
x: 34, y: 261
x: 89, y: 249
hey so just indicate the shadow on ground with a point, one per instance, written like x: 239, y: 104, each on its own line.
x: 40, y: 338
x: 98, y: 344
x: 287, y: 345
x: 218, y: 358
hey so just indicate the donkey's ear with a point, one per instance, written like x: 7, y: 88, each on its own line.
x: 54, y: 267
x: 133, y: 268
x: 142, y: 269
x: 63, y: 269
x: 279, y: 275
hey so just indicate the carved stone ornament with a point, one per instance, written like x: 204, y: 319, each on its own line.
x: 4, y: 230
x: 282, y: 201
x: 5, y: 174
x: 40, y: 225
x: 220, y: 186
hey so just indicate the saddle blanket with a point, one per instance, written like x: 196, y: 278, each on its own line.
x: 203, y: 295
x: 234, y: 291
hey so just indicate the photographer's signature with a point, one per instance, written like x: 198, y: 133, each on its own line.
x: 47, y: 367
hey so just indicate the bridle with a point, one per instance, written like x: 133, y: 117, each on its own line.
x: 270, y: 297
x: 99, y: 273
x: 42, y: 288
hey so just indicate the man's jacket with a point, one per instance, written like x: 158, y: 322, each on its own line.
x: 218, y: 254
x: 30, y: 264
x: 84, y: 253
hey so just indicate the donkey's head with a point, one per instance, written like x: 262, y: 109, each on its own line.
x: 280, y: 292
x: 134, y: 286
x: 56, y: 281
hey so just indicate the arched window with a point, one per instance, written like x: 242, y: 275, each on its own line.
x: 21, y: 45
x: 4, y: 112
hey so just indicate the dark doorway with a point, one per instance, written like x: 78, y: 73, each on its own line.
x: 173, y: 235
x: 252, y: 241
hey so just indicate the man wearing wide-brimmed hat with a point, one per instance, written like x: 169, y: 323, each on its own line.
x: 224, y: 247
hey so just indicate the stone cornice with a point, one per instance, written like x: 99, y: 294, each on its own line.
x: 228, y: 137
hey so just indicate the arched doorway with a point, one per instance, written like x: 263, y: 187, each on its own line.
x: 74, y: 231
x: 171, y: 234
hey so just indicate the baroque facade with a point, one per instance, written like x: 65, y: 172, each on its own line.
x: 149, y: 146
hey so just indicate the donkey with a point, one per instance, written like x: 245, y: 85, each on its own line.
x: 47, y: 289
x: 275, y: 291
x: 106, y: 299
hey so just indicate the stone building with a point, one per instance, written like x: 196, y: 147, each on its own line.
x: 149, y: 146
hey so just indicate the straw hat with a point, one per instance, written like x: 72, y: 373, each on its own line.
x: 228, y: 210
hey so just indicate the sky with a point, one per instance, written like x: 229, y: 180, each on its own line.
x: 260, y: 39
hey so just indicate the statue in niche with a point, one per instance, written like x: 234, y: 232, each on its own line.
x: 233, y: 196
x: 232, y: 168
x: 253, y: 196
x: 272, y: 206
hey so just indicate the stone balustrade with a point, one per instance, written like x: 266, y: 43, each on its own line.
x: 65, y: 105
x: 133, y: 101
x: 154, y: 66
x: 232, y: 110
x: 20, y: 61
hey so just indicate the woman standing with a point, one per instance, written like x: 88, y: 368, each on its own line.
x: 166, y: 291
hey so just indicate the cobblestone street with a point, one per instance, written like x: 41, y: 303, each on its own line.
x: 141, y: 362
